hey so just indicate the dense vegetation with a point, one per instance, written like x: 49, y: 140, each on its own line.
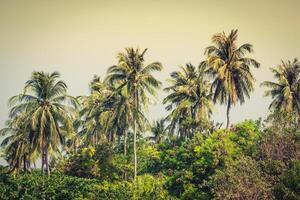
x: 102, y: 146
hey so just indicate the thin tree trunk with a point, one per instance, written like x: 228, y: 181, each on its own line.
x: 134, y: 149
x: 125, y: 143
x: 46, y: 160
x: 75, y: 145
x: 24, y: 163
x: 96, y: 138
x: 125, y: 153
x: 112, y: 137
x: 28, y: 164
x: 134, y: 132
x: 43, y: 157
x: 227, y: 113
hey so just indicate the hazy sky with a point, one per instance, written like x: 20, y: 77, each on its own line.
x: 81, y: 38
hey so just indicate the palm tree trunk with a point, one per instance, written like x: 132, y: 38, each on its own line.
x: 134, y: 133
x: 96, y: 138
x: 28, y: 164
x: 134, y: 149
x: 125, y: 143
x: 227, y: 113
x: 125, y: 153
x: 24, y: 163
x: 46, y: 160
x: 43, y: 157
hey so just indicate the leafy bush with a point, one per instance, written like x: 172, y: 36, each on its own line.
x: 146, y: 187
x: 289, y: 186
x: 57, y: 186
x: 241, y: 179
x: 36, y: 186
x: 82, y: 164
x: 246, y: 136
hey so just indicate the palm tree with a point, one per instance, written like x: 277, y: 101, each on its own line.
x: 285, y: 92
x: 16, y: 143
x: 122, y: 115
x: 190, y: 99
x: 158, y: 131
x: 230, y: 68
x: 132, y: 74
x: 50, y: 110
x: 95, y: 112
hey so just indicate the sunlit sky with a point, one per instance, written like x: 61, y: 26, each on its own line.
x: 81, y: 38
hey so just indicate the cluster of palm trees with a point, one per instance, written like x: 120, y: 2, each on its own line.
x: 40, y: 120
x: 45, y: 121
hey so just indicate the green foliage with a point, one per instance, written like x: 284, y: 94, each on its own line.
x: 246, y: 136
x: 189, y: 165
x: 241, y: 163
x: 57, y: 186
x: 289, y: 186
x: 82, y: 164
x: 146, y: 187
x: 98, y: 162
x: 36, y: 186
x: 241, y: 179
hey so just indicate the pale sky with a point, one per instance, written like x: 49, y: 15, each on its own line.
x: 81, y: 38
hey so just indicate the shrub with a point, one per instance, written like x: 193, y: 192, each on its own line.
x: 241, y: 179
x: 56, y: 186
x: 289, y: 186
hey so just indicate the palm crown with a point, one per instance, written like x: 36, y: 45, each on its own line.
x: 285, y: 92
x: 189, y: 98
x: 230, y: 68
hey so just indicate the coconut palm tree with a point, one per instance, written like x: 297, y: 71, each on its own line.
x: 132, y: 74
x: 285, y: 92
x: 95, y: 112
x: 122, y: 116
x: 50, y: 109
x: 16, y: 143
x: 158, y: 131
x: 189, y: 100
x: 230, y: 69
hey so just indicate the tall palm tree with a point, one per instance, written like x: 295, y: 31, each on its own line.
x: 189, y: 100
x: 230, y: 68
x: 50, y: 109
x: 122, y: 118
x: 285, y: 92
x: 132, y: 74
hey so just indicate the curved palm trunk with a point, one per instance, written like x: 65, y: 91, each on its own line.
x: 227, y: 113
